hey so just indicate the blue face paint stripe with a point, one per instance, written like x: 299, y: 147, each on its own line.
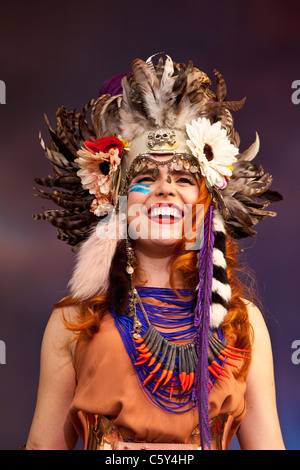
x: 140, y: 188
x: 140, y: 184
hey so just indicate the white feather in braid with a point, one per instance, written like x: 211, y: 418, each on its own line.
x: 221, y: 291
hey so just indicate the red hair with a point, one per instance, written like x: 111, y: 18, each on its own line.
x: 236, y: 325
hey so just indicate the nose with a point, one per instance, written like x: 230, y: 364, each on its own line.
x: 165, y: 187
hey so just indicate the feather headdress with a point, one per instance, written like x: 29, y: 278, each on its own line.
x: 168, y: 94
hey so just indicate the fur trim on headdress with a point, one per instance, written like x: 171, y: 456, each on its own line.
x: 91, y: 273
x: 94, y: 258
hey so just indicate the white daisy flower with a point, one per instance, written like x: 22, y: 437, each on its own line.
x: 215, y: 153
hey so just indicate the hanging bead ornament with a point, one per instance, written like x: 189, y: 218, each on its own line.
x: 130, y: 258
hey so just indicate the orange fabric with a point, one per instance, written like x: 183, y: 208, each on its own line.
x: 107, y: 385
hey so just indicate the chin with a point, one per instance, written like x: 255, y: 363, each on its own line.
x: 160, y: 241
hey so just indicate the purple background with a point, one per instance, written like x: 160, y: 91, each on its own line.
x: 60, y: 53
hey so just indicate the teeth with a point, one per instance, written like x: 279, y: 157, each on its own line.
x: 157, y: 211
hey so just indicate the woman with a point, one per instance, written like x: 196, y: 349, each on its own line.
x: 157, y: 346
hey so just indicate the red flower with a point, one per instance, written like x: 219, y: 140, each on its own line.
x: 104, y: 144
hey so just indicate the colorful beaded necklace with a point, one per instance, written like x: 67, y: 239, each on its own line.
x: 161, y: 343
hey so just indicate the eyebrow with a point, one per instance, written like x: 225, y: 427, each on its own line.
x: 172, y: 172
x: 182, y: 172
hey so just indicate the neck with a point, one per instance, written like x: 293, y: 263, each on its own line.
x: 154, y: 266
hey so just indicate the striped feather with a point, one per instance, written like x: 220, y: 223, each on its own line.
x: 221, y: 291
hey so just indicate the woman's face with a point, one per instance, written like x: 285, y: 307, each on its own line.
x: 158, y: 204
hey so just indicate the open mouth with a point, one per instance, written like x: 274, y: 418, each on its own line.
x: 164, y: 213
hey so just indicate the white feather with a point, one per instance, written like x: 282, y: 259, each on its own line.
x: 219, y: 259
x: 217, y: 315
x: 223, y: 290
x: 219, y: 222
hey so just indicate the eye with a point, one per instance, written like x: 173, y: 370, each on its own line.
x: 144, y: 178
x: 187, y: 180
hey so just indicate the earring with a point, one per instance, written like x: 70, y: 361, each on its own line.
x: 130, y: 258
x: 132, y: 293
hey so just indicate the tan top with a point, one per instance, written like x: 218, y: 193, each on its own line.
x: 107, y: 386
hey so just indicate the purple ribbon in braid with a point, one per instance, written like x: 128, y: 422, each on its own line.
x: 202, y: 316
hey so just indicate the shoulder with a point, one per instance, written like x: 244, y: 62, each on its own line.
x: 57, y: 336
x: 260, y: 428
x: 256, y: 318
x: 261, y: 342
